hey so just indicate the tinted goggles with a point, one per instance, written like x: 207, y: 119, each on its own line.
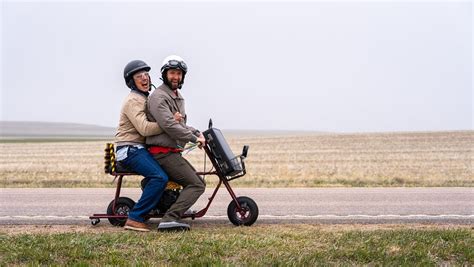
x: 175, y: 64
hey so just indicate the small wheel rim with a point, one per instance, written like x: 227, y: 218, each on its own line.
x: 122, y: 210
x: 244, y: 213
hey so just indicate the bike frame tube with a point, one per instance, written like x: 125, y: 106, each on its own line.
x: 207, y: 173
x: 222, y: 178
x: 203, y: 212
x: 117, y: 191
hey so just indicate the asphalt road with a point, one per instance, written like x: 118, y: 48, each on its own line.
x: 277, y: 205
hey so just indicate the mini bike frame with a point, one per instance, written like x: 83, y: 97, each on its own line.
x: 95, y: 218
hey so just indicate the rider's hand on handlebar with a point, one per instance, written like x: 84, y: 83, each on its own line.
x: 201, y: 140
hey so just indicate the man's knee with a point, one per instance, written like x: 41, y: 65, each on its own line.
x: 165, y: 178
x: 158, y: 181
x: 159, y: 176
x: 200, y: 184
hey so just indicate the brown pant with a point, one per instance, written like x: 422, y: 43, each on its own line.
x: 179, y: 170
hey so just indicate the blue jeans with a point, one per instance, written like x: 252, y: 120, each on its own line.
x: 141, y: 162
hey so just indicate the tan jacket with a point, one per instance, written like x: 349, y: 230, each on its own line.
x: 161, y: 106
x: 133, y: 123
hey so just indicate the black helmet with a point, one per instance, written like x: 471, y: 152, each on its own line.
x: 173, y: 62
x: 131, y: 68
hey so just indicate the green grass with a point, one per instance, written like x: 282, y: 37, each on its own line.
x: 258, y: 245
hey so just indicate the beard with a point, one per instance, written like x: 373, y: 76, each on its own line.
x: 174, y: 85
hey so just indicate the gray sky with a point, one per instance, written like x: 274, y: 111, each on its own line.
x: 322, y: 66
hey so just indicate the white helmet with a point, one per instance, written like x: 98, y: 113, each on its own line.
x: 173, y: 62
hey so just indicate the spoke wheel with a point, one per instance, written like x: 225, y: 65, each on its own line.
x: 122, y: 207
x: 248, y: 213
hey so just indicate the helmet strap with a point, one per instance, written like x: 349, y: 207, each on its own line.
x: 131, y: 84
x: 165, y: 79
x: 182, y: 81
x: 149, y: 81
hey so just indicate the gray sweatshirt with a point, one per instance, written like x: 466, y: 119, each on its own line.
x: 161, y: 106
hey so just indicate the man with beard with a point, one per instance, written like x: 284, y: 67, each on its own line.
x: 165, y: 102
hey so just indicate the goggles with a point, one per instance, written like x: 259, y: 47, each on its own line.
x: 141, y: 75
x: 175, y: 64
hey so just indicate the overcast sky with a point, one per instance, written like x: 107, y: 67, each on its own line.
x: 317, y: 66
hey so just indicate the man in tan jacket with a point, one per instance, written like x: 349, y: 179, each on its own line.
x: 165, y: 147
x: 130, y: 141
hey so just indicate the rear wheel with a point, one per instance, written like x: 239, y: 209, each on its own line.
x: 122, y: 207
x: 248, y: 213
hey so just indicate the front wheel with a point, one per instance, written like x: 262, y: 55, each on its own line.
x: 246, y: 215
x: 123, y: 206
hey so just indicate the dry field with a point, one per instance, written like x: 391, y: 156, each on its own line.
x: 304, y: 160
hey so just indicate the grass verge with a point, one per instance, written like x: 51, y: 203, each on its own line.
x: 256, y: 245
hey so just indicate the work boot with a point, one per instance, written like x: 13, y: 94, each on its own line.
x: 136, y: 226
x: 173, y: 226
